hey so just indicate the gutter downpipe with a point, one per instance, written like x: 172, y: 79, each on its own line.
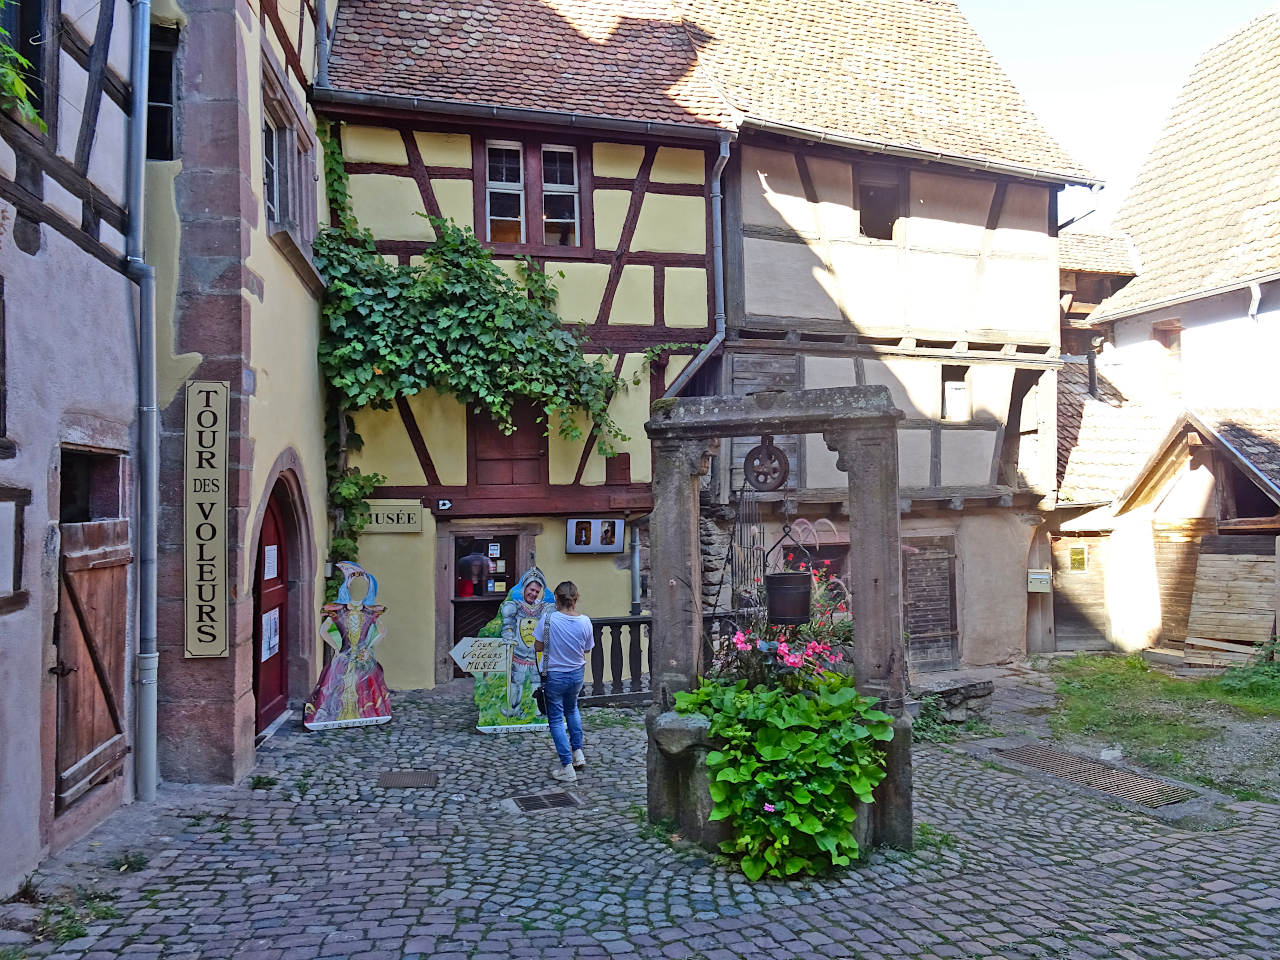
x: 145, y: 771
x: 1255, y: 300
x: 322, y: 44
x: 717, y: 269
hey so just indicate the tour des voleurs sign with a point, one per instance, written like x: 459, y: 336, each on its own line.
x: 204, y: 508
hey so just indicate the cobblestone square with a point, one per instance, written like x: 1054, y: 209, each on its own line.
x: 319, y: 862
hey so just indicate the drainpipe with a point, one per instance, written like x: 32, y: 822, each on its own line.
x: 635, y: 568
x: 322, y: 44
x: 717, y: 266
x: 145, y: 774
x: 1255, y: 300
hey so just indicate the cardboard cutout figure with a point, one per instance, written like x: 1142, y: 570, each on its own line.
x: 504, y: 696
x: 352, y: 691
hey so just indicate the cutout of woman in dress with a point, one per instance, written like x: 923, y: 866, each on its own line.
x: 352, y: 691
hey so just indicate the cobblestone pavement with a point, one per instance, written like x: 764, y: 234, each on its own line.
x: 318, y: 862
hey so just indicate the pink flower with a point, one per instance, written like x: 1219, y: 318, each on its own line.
x: 783, y: 649
x: 740, y: 641
x: 768, y: 808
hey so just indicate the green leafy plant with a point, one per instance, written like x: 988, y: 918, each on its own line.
x: 1260, y: 677
x: 131, y: 861
x: 931, y: 726
x: 15, y: 88
x: 261, y: 782
x: 791, y: 769
x: 454, y: 322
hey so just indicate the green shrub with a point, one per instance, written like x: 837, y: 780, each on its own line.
x: 791, y: 769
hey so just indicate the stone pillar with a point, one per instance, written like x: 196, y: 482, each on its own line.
x: 869, y: 456
x: 675, y: 566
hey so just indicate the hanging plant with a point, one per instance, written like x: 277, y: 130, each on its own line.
x: 15, y: 89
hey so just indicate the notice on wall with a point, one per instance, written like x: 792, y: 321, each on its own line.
x: 270, y: 634
x: 204, y: 510
x: 270, y: 562
x: 394, y: 516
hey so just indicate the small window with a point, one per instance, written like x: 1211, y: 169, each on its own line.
x: 90, y: 487
x: 12, y: 502
x: 1078, y: 558
x: 161, y: 94
x: 23, y: 25
x: 879, y: 205
x: 505, y: 189
x: 956, y: 404
x: 271, y: 192
x: 560, y: 196
x: 1168, y: 333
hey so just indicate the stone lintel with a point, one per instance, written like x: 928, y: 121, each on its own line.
x: 774, y: 412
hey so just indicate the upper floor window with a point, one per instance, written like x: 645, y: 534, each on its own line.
x: 879, y: 200
x: 1168, y: 333
x: 533, y: 194
x: 271, y: 179
x: 23, y: 22
x: 161, y: 93
x: 288, y: 169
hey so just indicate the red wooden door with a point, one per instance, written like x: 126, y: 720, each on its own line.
x: 89, y: 634
x: 504, y: 465
x: 270, y: 630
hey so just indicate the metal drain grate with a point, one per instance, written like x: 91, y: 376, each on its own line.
x: 404, y: 779
x: 546, y: 801
x: 1098, y: 776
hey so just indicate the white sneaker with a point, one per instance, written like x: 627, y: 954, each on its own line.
x: 563, y: 773
x: 579, y: 761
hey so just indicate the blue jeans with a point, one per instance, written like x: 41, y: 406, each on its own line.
x: 562, y: 708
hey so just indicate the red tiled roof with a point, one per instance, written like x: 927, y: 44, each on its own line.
x: 1205, y: 210
x: 1096, y: 253
x: 622, y: 59
x: 1103, y: 442
x: 909, y: 74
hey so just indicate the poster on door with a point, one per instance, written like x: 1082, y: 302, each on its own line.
x: 270, y: 634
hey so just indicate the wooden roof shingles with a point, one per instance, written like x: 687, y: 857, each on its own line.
x: 1204, y: 212
x: 1253, y: 433
x: 908, y: 74
x: 1096, y: 253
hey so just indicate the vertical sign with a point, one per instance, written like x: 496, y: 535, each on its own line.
x: 204, y: 508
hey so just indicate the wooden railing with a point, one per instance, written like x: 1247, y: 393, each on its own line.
x: 623, y: 642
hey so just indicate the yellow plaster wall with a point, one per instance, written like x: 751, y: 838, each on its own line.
x: 444, y: 149
x: 286, y: 408
x: 405, y: 565
x: 604, y: 590
x: 563, y: 456
x: 388, y: 205
x: 456, y: 201
x: 580, y: 290
x: 163, y: 237
x: 633, y: 301
x: 610, y: 214
x: 616, y: 159
x: 387, y: 449
x: 675, y: 366
x: 361, y: 144
x: 629, y: 410
x: 676, y: 165
x: 670, y: 224
x: 685, y: 297
x: 443, y: 423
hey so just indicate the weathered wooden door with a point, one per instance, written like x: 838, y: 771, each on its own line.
x: 929, y: 603
x: 90, y: 637
x: 270, y: 631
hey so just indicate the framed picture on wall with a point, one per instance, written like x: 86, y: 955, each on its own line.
x: 595, y: 535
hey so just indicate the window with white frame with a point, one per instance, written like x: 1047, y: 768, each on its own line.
x: 272, y: 182
x: 560, y: 196
x: 504, y: 192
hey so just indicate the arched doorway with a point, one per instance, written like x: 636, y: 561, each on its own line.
x: 271, y: 626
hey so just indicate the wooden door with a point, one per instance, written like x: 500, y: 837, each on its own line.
x: 929, y: 603
x: 90, y: 637
x: 270, y: 625
x: 506, y: 465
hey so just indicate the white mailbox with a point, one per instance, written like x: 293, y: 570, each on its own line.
x: 1039, y: 581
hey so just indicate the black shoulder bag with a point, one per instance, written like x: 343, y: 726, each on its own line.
x: 540, y: 692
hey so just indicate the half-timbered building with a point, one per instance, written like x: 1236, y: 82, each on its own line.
x: 68, y: 443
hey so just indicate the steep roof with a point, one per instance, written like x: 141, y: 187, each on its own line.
x: 1205, y: 210
x: 620, y: 59
x: 1103, y: 442
x: 1252, y: 436
x: 904, y: 74
x: 1096, y: 253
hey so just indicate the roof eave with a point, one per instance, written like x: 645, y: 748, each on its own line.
x: 1243, y: 463
x: 557, y: 118
x: 818, y: 135
x: 1180, y: 299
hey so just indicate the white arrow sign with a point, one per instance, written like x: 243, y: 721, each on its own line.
x: 444, y: 504
x: 482, y: 655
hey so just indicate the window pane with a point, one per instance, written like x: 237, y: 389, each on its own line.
x: 505, y: 205
x: 159, y: 132
x: 560, y: 233
x: 160, y: 76
x: 560, y: 206
x: 504, y: 231
x: 504, y: 165
x: 557, y: 167
x: 269, y: 176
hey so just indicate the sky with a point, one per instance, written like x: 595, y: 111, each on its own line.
x: 1102, y: 75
